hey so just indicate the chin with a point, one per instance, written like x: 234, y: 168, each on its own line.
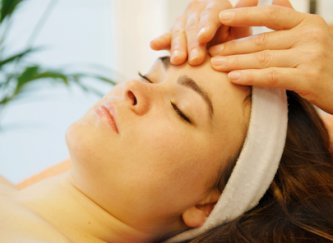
x: 90, y: 145
x: 81, y: 142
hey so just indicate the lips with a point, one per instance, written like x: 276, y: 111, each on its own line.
x: 108, y: 111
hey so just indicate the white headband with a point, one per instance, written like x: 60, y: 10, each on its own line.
x: 257, y: 164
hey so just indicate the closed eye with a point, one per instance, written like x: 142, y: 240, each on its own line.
x: 144, y: 77
x: 180, y: 113
x: 174, y: 106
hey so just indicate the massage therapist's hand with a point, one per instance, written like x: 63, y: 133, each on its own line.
x: 198, y: 25
x: 296, y: 56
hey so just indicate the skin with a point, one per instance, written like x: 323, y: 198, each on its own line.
x: 165, y: 153
x: 283, y: 58
x: 120, y: 180
x: 198, y: 28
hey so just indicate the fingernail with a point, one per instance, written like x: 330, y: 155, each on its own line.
x: 216, y: 50
x: 219, y: 61
x: 226, y: 15
x: 202, y: 31
x: 194, y: 54
x: 175, y: 55
x: 235, y: 76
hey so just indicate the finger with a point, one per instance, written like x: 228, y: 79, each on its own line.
x: 246, y: 3
x: 275, y: 40
x: 162, y: 42
x: 209, y: 21
x: 178, y: 47
x: 259, y: 60
x: 196, y: 52
x: 221, y: 36
x: 284, y: 3
x: 285, y: 78
x: 240, y: 32
x: 274, y: 17
x: 197, y: 55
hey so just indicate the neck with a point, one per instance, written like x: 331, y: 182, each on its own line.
x: 75, y: 215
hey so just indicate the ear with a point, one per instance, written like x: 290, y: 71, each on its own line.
x: 196, y: 215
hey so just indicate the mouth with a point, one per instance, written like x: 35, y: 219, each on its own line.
x: 107, y: 111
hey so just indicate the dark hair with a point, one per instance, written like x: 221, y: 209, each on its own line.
x: 298, y: 206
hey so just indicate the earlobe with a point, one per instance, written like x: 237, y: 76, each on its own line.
x: 196, y: 216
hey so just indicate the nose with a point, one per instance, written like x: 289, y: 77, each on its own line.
x: 138, y: 96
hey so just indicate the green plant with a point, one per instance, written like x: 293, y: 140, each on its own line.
x: 17, y: 73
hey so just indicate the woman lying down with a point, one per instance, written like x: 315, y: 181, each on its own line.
x: 181, y: 154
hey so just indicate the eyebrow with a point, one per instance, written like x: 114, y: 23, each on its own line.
x: 190, y: 83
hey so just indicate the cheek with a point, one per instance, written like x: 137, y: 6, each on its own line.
x: 172, y: 158
x: 90, y: 146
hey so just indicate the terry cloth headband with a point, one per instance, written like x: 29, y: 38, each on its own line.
x: 257, y: 163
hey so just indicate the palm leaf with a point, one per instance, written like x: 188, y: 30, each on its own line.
x: 17, y: 56
x: 15, y: 85
x: 16, y: 76
x: 8, y: 7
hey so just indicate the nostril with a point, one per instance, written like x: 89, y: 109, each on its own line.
x: 132, y: 97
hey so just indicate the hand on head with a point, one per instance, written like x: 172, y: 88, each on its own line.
x: 294, y: 56
x: 198, y: 27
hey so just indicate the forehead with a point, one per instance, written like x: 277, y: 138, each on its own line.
x: 215, y: 83
x: 230, y: 108
x: 231, y: 112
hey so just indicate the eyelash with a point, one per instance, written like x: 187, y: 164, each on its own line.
x: 174, y: 106
x: 145, y: 78
x: 180, y: 113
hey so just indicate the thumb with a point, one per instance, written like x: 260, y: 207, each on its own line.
x: 246, y: 3
x: 284, y: 3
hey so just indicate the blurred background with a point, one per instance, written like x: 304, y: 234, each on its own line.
x: 110, y: 35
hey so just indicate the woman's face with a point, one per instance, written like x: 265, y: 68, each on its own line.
x: 148, y: 151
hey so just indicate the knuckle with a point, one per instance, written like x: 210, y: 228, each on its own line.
x: 206, y: 17
x: 314, y: 33
x: 318, y: 19
x: 314, y: 73
x: 272, y: 11
x: 212, y: 7
x: 191, y: 21
x: 273, y: 77
x: 176, y: 34
x: 317, y: 54
x: 260, y: 40
x: 227, y: 47
x: 264, y: 58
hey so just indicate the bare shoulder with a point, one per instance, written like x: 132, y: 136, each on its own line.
x: 19, y: 224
